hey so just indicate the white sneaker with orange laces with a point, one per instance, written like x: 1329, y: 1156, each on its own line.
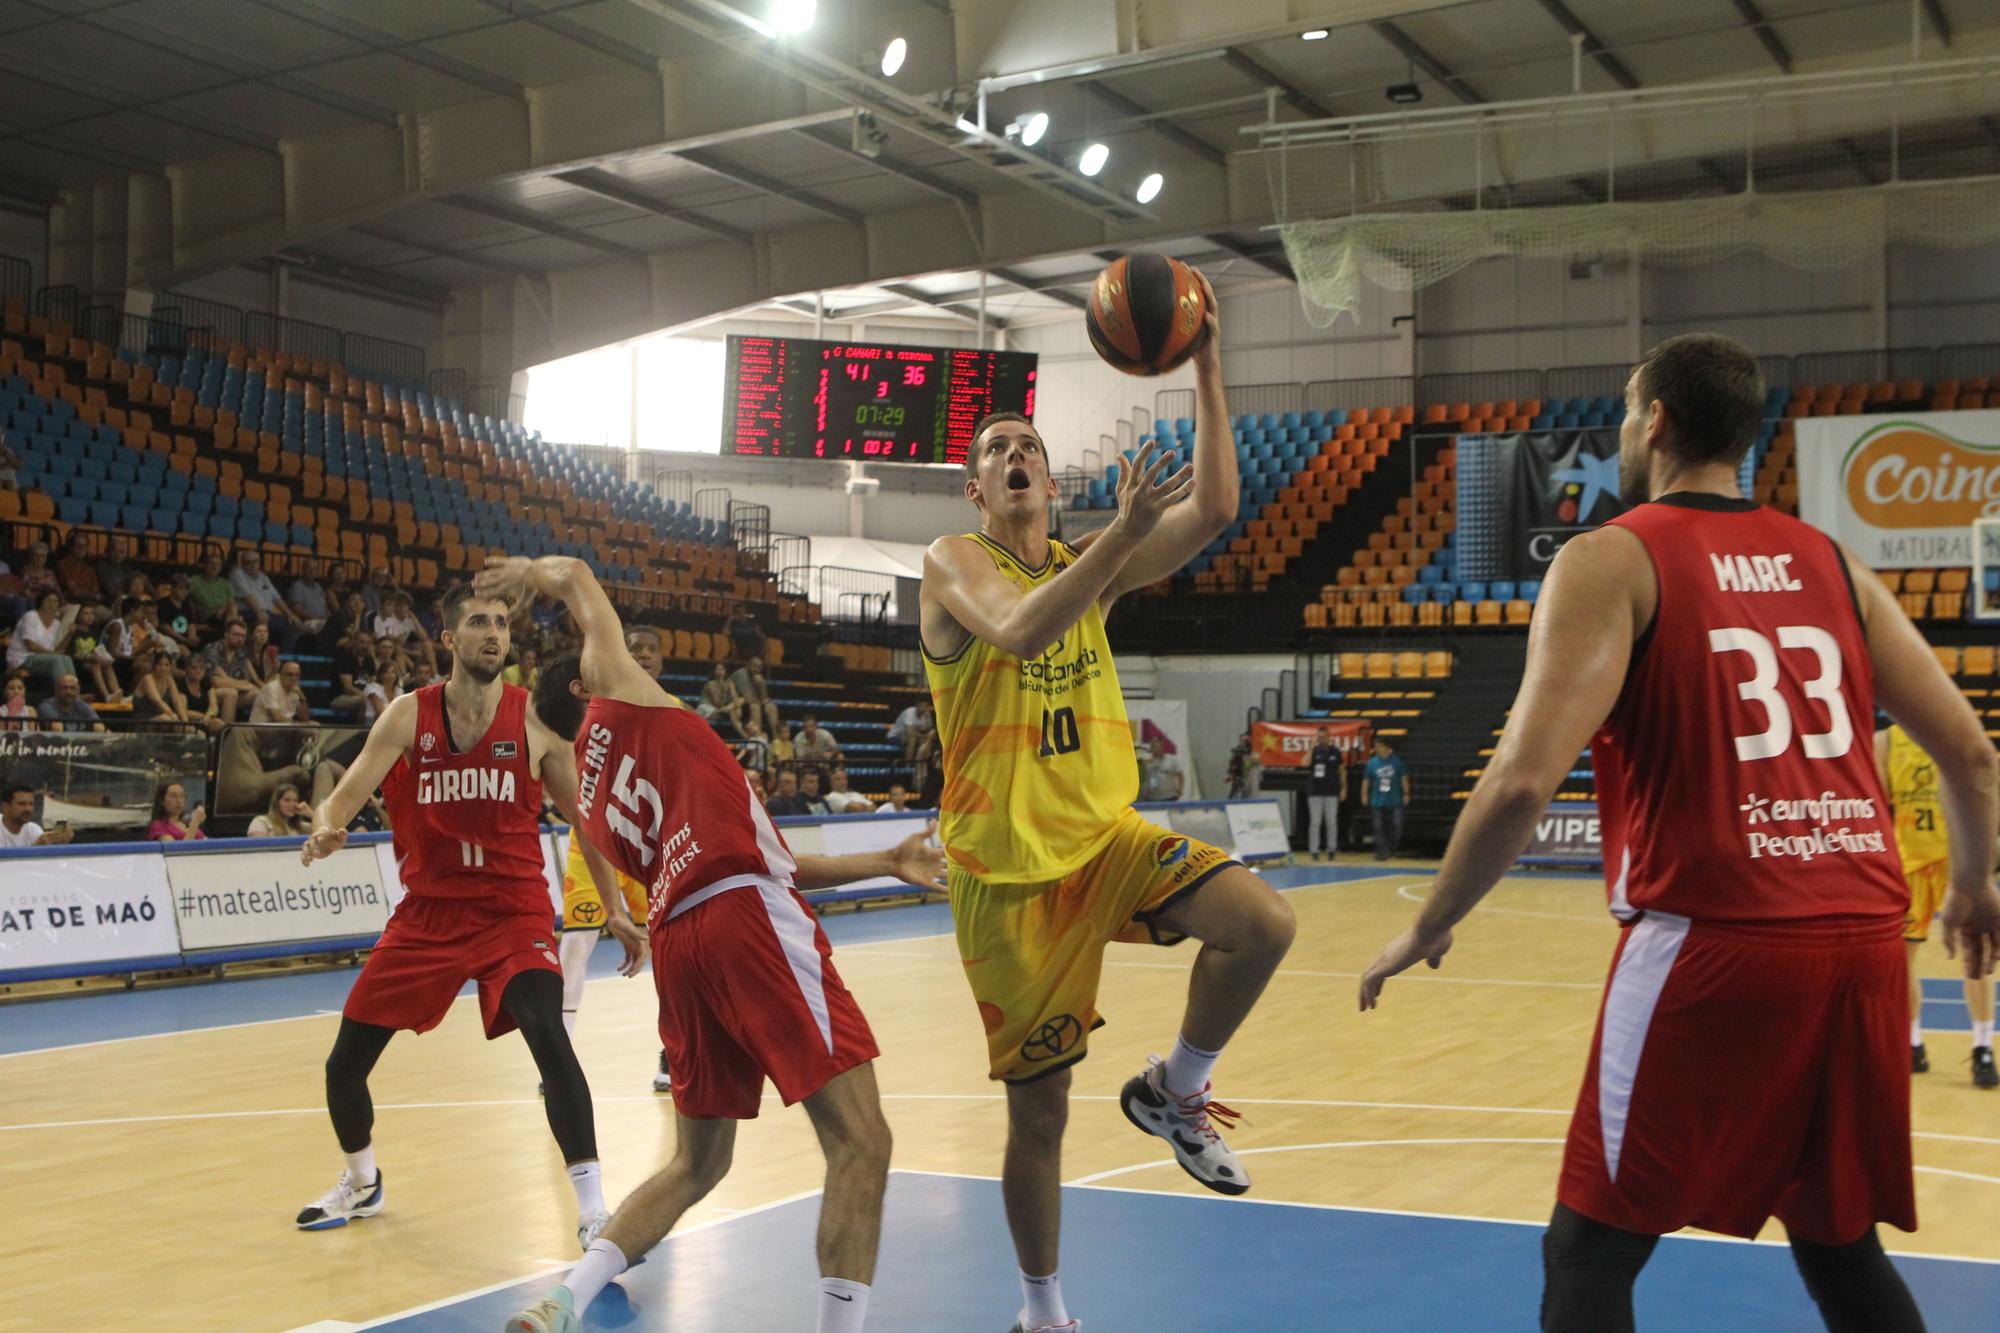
x: 1187, y: 1123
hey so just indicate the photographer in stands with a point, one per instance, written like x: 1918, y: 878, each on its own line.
x: 17, y: 823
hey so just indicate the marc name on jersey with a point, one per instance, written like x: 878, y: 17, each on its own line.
x: 1754, y: 573
x: 435, y: 787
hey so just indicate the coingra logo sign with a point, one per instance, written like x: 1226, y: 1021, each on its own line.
x: 1902, y: 475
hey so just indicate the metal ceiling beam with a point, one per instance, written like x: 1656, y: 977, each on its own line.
x: 1173, y: 134
x: 1053, y: 288
x: 1413, y: 51
x: 763, y: 184
x: 1248, y: 66
x: 472, y: 257
x: 1592, y: 47
x: 1754, y: 19
x: 1269, y: 260
x: 1935, y: 12
x: 214, y: 126
x: 582, y: 34
x: 917, y: 176
x: 362, y: 280
x: 967, y: 313
x: 388, y: 43
x: 618, y: 192
x: 520, y: 217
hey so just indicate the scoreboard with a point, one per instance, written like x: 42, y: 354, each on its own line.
x: 804, y: 398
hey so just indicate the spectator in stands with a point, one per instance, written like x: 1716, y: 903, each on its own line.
x: 787, y: 799
x: 353, y: 667
x: 350, y: 613
x: 911, y: 726
x: 283, y: 698
x: 307, y: 597
x: 750, y: 685
x: 760, y: 788
x: 898, y: 802
x: 137, y: 631
x: 753, y: 751
x: 375, y: 593
x: 397, y: 620
x: 17, y: 820
x: 815, y: 748
x: 263, y: 653
x: 1387, y: 782
x: 232, y: 678
x: 115, y: 572
x: 1326, y: 773
x: 65, y: 710
x: 258, y: 594
x: 746, y: 636
x: 204, y: 701
x: 214, y: 597
x: 719, y: 699
x: 176, y: 612
x: 288, y: 817
x: 784, y: 752
x: 93, y: 657
x: 643, y: 642
x: 13, y: 605
x: 41, y: 638
x: 526, y: 670
x: 36, y: 574
x: 809, y: 789
x: 1165, y: 779
x: 1246, y: 770
x: 424, y: 667
x: 156, y: 690
x: 9, y: 460
x: 842, y: 800
x: 75, y: 574
x: 15, y: 713
x: 931, y: 789
x: 172, y: 820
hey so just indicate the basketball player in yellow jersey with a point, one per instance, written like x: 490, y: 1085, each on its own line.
x: 1048, y: 861
x: 584, y: 918
x: 1910, y: 778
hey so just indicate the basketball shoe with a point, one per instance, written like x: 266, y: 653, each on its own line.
x: 1188, y: 1124
x: 663, y: 1078
x: 1984, y: 1074
x: 589, y: 1227
x: 342, y: 1202
x: 1021, y: 1325
x: 551, y: 1314
x: 1920, y: 1060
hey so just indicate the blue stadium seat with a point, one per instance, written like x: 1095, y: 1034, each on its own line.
x: 72, y: 512
x: 1502, y: 592
x: 1472, y: 592
x: 1443, y: 594
x: 1529, y: 590
x: 1415, y: 594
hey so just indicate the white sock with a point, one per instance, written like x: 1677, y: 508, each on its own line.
x: 843, y: 1306
x: 575, y: 951
x: 1188, y: 1068
x: 1043, y: 1297
x: 361, y: 1166
x: 593, y: 1273
x: 1916, y: 1032
x: 1982, y: 1033
x: 587, y: 1179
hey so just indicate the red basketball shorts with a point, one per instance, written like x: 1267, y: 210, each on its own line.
x: 748, y: 992
x: 433, y: 946
x: 1744, y: 1072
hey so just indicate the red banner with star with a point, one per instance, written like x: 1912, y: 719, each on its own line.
x: 1289, y: 744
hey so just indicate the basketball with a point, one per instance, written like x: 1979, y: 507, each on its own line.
x: 1147, y: 314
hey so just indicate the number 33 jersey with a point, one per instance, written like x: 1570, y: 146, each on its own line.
x: 661, y: 796
x: 1736, y: 776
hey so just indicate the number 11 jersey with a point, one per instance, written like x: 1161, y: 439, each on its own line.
x: 1736, y: 776
x: 662, y: 797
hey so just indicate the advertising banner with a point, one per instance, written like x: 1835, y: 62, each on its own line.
x: 1289, y: 744
x: 1553, y: 486
x: 1901, y: 491
x: 101, y: 783
x: 1567, y: 833
x: 65, y: 911
x: 1255, y: 830
x: 226, y: 899
x: 1164, y: 720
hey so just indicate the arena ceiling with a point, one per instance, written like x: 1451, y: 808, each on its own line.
x: 568, y: 172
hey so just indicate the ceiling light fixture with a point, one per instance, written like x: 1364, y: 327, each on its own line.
x: 1033, y: 127
x: 1314, y: 35
x: 792, y: 16
x: 1149, y: 188
x: 1093, y: 159
x: 893, y: 56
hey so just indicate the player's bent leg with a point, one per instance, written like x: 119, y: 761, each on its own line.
x: 1031, y: 1188
x: 847, y: 1115
x: 1979, y: 1000
x: 1919, y: 1058
x: 1588, y: 1269
x: 533, y: 999
x: 575, y: 951
x: 1856, y: 1288
x: 358, y: 1193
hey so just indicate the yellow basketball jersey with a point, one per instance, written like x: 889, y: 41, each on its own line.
x: 576, y: 871
x: 1038, y: 758
x: 1913, y: 790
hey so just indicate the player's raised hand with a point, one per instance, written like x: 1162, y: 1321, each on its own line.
x: 323, y: 843
x: 505, y: 577
x: 917, y: 862
x: 633, y: 940
x: 1972, y: 930
x: 1145, y: 493
x: 1208, y: 352
x: 1398, y: 955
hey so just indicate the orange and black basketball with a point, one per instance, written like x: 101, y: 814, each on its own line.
x: 1147, y: 314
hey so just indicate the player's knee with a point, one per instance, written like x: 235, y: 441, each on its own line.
x: 1274, y: 925
x: 1038, y: 1113
x: 706, y: 1166
x: 863, y: 1145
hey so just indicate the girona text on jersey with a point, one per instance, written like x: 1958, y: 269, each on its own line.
x: 465, y: 784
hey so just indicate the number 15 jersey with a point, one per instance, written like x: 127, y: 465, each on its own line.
x: 1736, y: 775
x: 661, y: 796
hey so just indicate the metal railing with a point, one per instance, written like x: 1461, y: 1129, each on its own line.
x: 1480, y: 386
x: 790, y: 551
x: 864, y: 597
x: 61, y: 302
x: 16, y: 277
x: 1350, y: 395
x: 294, y: 337
x: 226, y: 320
x: 712, y: 503
x: 1909, y: 363
x: 382, y: 358
x: 676, y: 486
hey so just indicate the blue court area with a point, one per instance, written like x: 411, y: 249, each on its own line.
x: 1138, y: 1262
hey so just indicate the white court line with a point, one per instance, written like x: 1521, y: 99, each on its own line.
x: 1403, y: 892
x: 142, y: 1036
x: 1096, y: 1176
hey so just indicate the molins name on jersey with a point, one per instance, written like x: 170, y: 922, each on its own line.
x: 1754, y: 573
x: 596, y: 746
x: 465, y: 784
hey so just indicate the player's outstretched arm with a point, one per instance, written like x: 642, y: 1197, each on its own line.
x: 388, y: 740
x: 960, y: 580
x: 607, y: 667
x: 559, y: 781
x: 912, y: 861
x: 1912, y: 686
x: 1579, y: 646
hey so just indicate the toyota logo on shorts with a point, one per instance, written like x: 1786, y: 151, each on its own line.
x: 1058, y: 1036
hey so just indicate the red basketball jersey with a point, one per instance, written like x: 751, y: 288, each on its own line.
x: 661, y: 796
x: 1736, y: 775
x: 468, y: 824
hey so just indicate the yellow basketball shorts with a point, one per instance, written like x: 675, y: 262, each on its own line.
x: 1928, y: 883
x: 1034, y: 952
x: 584, y: 910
